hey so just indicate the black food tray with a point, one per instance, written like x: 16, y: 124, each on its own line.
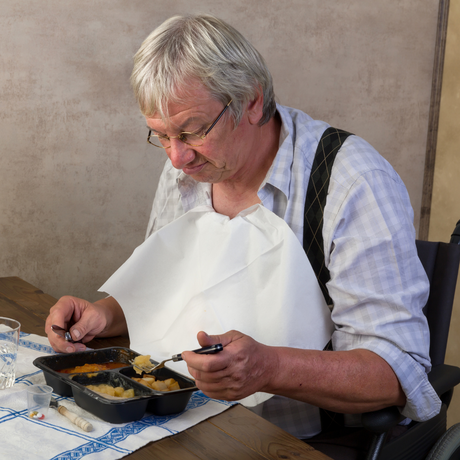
x: 110, y: 409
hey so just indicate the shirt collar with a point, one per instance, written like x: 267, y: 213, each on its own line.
x: 193, y: 193
x: 276, y: 175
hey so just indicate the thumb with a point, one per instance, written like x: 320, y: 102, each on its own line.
x: 76, y: 333
x: 86, y: 328
x: 205, y: 340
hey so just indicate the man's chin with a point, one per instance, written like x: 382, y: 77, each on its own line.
x: 206, y: 173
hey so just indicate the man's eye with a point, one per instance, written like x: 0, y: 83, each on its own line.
x: 188, y: 137
x: 162, y: 137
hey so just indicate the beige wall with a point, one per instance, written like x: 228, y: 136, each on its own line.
x: 445, y: 210
x: 78, y: 177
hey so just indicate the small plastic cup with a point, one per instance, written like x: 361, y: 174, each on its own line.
x: 38, y: 401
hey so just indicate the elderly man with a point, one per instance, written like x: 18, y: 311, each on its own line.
x: 208, y: 101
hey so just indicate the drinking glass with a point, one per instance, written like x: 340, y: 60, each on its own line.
x: 9, y: 340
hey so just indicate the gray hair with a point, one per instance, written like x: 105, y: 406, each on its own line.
x: 205, y: 49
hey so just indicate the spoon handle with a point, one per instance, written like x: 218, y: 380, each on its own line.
x: 202, y: 351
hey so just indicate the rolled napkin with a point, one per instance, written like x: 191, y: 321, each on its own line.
x: 205, y: 271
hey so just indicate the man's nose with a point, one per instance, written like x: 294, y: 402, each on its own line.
x: 180, y: 153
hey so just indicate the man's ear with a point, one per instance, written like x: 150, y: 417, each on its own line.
x: 255, y: 108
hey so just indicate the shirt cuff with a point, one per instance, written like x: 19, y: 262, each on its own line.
x: 422, y: 401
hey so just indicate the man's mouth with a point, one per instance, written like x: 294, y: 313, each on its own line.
x: 190, y: 170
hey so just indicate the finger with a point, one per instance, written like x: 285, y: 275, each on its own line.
x: 57, y: 342
x: 205, y: 363
x: 62, y: 346
x: 222, y: 391
x: 58, y: 345
x: 74, y: 347
x: 67, y: 310
x: 76, y: 332
x: 61, y: 313
x: 214, y: 375
x: 88, y: 325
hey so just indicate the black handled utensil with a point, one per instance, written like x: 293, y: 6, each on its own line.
x: 202, y: 351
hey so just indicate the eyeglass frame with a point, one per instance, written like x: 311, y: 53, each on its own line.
x: 168, y: 138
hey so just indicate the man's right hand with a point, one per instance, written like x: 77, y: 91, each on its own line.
x: 84, y: 320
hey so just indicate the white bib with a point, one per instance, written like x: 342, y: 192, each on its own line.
x: 205, y: 271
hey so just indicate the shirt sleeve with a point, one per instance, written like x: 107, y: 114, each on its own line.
x: 378, y: 284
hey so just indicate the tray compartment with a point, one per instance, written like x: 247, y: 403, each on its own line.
x: 169, y: 402
x: 110, y: 409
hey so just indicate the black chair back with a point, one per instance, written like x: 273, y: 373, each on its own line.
x: 441, y: 263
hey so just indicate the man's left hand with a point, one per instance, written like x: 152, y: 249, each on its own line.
x: 242, y: 368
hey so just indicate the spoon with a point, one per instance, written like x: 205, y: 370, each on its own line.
x: 201, y: 351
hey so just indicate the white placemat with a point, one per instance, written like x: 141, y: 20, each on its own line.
x: 57, y: 438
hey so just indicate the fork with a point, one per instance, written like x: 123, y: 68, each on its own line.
x: 202, y: 351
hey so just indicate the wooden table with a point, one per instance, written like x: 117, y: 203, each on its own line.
x: 236, y: 433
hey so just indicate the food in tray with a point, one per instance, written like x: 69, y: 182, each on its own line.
x: 141, y: 361
x: 92, y: 368
x: 158, y: 385
x: 109, y: 390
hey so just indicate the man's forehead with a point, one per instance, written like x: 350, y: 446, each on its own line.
x: 183, y: 113
x: 179, y: 119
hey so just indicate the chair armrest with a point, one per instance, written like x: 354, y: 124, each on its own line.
x: 443, y: 379
x: 380, y: 421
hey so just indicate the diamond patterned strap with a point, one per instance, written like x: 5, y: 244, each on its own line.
x: 329, y: 144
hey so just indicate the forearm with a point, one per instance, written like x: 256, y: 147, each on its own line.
x: 116, y: 322
x: 343, y: 381
x: 352, y: 381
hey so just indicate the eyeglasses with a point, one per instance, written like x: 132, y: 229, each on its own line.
x: 193, y: 139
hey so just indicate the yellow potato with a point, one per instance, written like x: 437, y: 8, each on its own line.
x: 174, y: 386
x: 141, y: 360
x: 159, y: 386
x: 118, y: 391
x: 129, y: 393
x: 109, y: 390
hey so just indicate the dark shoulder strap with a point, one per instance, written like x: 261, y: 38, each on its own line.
x: 329, y: 144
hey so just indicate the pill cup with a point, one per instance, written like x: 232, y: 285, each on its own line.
x: 9, y: 340
x: 38, y: 401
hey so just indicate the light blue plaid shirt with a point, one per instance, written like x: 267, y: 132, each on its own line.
x: 378, y: 284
